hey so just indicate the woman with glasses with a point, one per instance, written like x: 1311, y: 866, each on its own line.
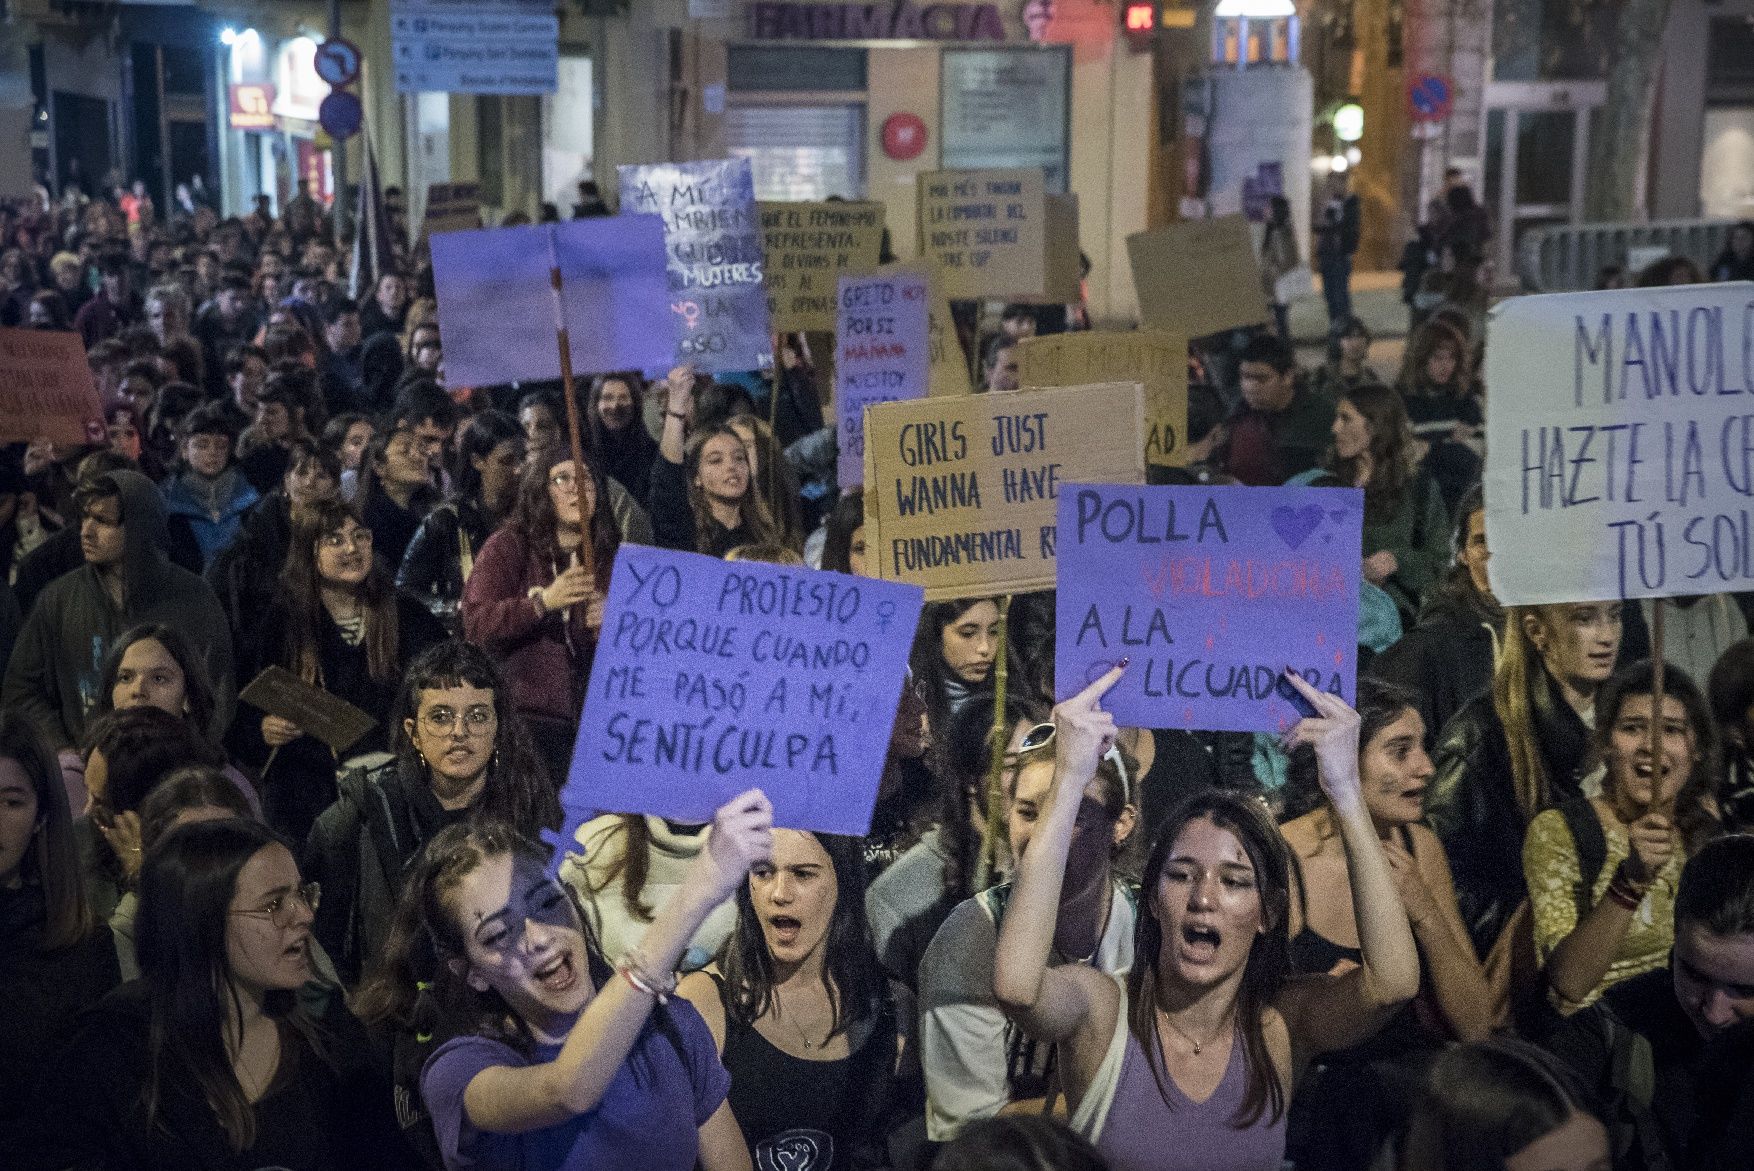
x: 461, y: 752
x: 561, y: 1056
x: 535, y: 599
x: 210, y: 1059
x: 338, y: 624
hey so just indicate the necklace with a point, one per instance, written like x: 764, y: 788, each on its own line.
x: 1198, y: 1044
x: 796, y: 1027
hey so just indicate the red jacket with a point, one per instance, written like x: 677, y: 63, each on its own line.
x: 546, y: 660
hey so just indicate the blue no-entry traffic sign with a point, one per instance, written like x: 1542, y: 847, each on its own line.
x: 341, y: 114
x: 337, y: 61
x: 1429, y: 97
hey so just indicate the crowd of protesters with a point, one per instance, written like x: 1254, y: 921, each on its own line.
x: 1473, y: 920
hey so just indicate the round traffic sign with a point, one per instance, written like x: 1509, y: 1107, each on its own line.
x: 1429, y: 98
x: 904, y: 136
x: 337, y: 61
x: 341, y: 114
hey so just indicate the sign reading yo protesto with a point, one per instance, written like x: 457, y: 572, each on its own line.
x: 1620, y: 444
x: 713, y: 677
x: 1212, y: 593
x: 959, y: 492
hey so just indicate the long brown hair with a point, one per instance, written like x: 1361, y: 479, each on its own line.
x: 1269, y: 955
x: 301, y: 588
x: 1426, y: 341
x: 52, y: 861
x: 1694, y: 815
x: 533, y: 517
x: 1390, y: 451
x: 1520, y: 686
x: 752, y: 510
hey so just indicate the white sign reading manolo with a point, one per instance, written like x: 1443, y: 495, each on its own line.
x: 1620, y: 444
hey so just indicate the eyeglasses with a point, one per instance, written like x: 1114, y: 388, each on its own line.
x: 442, y: 721
x: 280, y: 909
x: 563, y: 479
x: 356, y: 539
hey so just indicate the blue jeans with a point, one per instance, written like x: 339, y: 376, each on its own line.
x: 1337, y: 288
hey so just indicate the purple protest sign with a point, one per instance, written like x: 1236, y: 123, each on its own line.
x: 1212, y: 592
x: 712, y: 677
x: 496, y: 308
x: 883, y: 355
x: 716, y: 251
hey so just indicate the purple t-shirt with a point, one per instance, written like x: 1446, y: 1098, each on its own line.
x: 649, y: 1126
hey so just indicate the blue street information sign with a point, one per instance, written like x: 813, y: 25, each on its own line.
x: 475, y: 46
x: 337, y: 61
x: 341, y: 114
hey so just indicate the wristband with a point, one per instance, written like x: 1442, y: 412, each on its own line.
x: 1623, y: 895
x: 633, y: 969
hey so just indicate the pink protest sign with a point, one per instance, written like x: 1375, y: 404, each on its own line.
x: 46, y: 389
x: 1212, y: 593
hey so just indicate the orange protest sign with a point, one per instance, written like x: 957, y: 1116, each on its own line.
x: 46, y: 389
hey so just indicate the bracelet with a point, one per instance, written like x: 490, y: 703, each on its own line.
x: 676, y: 415
x: 535, y: 595
x: 1624, y: 895
x: 633, y: 969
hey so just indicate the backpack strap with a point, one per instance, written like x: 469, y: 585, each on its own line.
x: 1592, y: 849
x: 1422, y: 482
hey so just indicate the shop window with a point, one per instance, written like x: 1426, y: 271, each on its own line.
x: 1007, y: 108
x: 761, y: 68
x: 800, y: 152
x: 1551, y: 40
x: 1729, y: 61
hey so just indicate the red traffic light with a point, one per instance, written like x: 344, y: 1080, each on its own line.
x: 1140, y: 18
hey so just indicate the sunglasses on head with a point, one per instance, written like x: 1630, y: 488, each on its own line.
x: 1042, y: 736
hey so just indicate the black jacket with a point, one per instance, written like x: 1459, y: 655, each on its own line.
x: 433, y: 567
x: 1448, y: 658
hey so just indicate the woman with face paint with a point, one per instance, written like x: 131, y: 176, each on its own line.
x: 1603, y: 871
x: 560, y: 1061
x: 800, y: 1010
x: 976, y: 1064
x: 1206, y: 1037
x: 1355, y: 1099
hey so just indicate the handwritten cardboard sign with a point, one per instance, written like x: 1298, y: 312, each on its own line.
x: 329, y: 718
x: 497, y: 310
x: 959, y: 492
x: 1212, y: 592
x: 987, y: 233
x: 1198, y: 277
x: 1156, y: 360
x: 452, y: 207
x: 882, y: 355
x: 1620, y: 444
x: 713, y: 677
x: 46, y: 389
x: 807, y: 247
x: 712, y: 231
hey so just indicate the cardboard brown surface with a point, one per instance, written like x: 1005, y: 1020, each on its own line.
x: 46, y: 389
x: 943, y: 511
x: 1198, y: 277
x: 985, y: 232
x: 452, y: 207
x: 807, y: 247
x: 1153, y: 358
x: 330, y: 719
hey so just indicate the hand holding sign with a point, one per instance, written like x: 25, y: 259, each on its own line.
x: 570, y: 587
x: 1333, y: 733
x: 742, y: 837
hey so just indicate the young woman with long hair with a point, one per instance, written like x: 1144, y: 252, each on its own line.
x: 1593, y: 930
x: 339, y: 624
x: 246, y: 576
x: 615, y: 426
x: 209, y: 1060
x: 772, y: 478
x: 1356, y: 1098
x: 558, y: 1059
x: 955, y: 647
x: 800, y: 1010
x: 1438, y: 379
x: 703, y: 497
x: 395, y: 490
x: 485, y: 475
x: 1348, y: 362
x: 460, y: 752
x: 1206, y: 1037
x: 55, y: 957
x: 535, y: 598
x: 1515, y: 750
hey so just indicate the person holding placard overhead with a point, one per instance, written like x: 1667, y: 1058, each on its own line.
x: 535, y: 598
x: 703, y: 496
x: 1603, y: 871
x: 1517, y: 749
x: 1205, y: 1038
x: 560, y: 1060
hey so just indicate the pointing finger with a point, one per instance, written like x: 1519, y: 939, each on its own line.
x: 1089, y: 696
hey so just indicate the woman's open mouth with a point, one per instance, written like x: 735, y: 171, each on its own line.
x: 784, y: 929
x: 1200, y: 943
x: 557, y: 974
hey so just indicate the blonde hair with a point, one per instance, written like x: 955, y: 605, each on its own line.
x: 1519, y: 686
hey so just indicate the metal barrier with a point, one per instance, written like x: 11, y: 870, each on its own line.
x: 1563, y: 258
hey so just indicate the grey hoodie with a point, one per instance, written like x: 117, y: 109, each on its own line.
x: 56, y: 666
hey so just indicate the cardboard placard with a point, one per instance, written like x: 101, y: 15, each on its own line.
x: 1157, y: 360
x: 987, y: 234
x: 451, y: 207
x: 713, y: 237
x: 329, y: 718
x: 46, y: 389
x: 960, y: 492
x: 1198, y: 277
x: 1620, y: 444
x: 882, y: 354
x: 807, y: 247
x: 1212, y: 592
x: 496, y: 307
x: 713, y: 677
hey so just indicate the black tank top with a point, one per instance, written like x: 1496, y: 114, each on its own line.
x: 802, y: 1115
